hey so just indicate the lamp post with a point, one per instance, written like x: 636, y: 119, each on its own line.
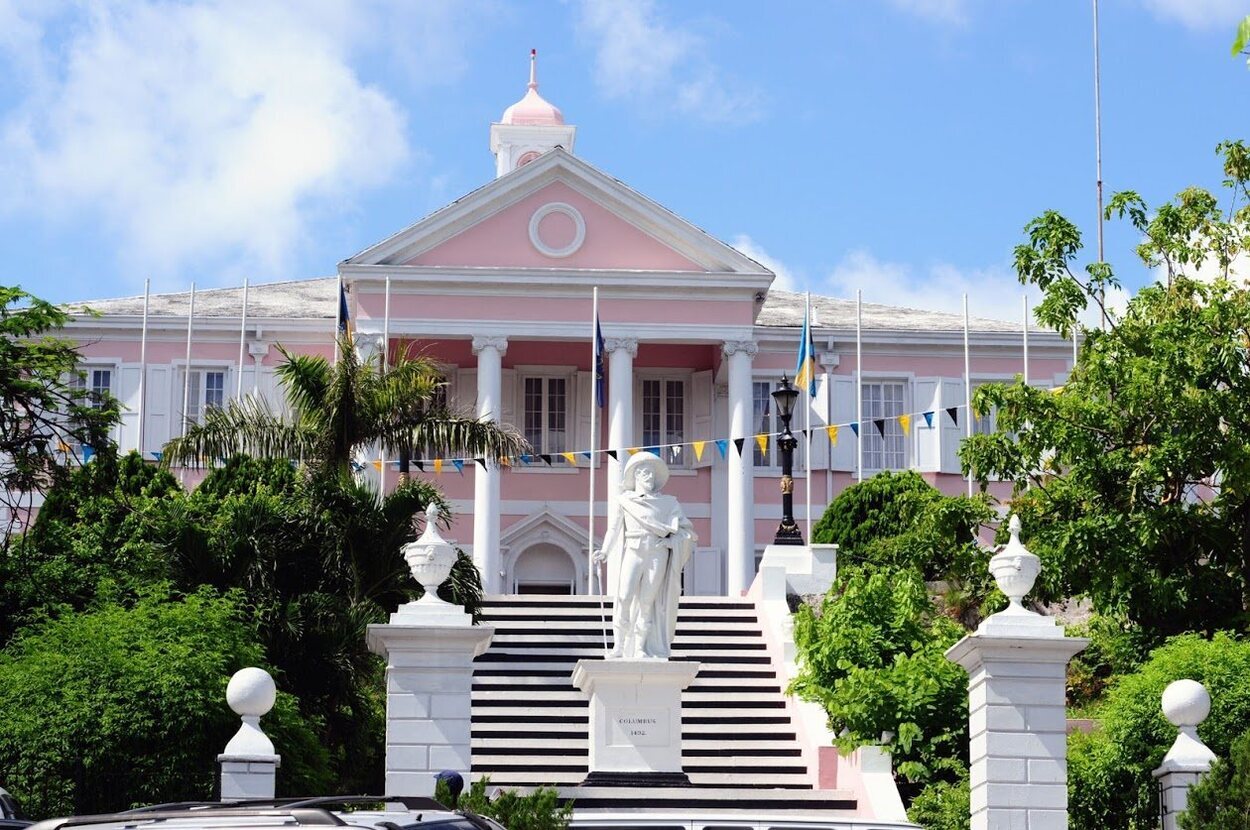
x: 788, y: 531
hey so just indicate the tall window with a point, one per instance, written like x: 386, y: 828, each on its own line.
x: 663, y: 412
x: 764, y: 421
x: 99, y: 385
x: 983, y: 423
x: 883, y: 400
x: 546, y: 414
x: 207, y: 391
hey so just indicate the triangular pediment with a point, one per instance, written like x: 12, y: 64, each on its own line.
x: 557, y: 212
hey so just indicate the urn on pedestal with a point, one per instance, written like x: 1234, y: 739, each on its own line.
x: 430, y: 558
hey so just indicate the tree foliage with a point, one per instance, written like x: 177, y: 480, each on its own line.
x: 1110, y: 785
x: 1134, y: 477
x: 122, y: 706
x: 1221, y: 800
x: 873, y: 657
x: 539, y: 809
x: 942, y: 806
x: 342, y: 409
x: 45, y: 414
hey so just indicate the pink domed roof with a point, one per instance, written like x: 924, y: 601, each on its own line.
x: 533, y: 109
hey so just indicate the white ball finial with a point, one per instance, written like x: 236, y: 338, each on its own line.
x: 1186, y: 703
x: 251, y: 692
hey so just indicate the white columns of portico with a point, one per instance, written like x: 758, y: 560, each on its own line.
x: 621, y: 353
x: 740, y: 552
x: 489, y: 351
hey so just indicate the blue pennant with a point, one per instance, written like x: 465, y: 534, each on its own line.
x: 928, y: 419
x: 722, y: 444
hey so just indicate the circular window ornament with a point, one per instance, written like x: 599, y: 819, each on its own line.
x: 558, y: 244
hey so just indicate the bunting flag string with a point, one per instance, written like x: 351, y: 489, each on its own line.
x: 879, y: 423
x: 855, y: 428
x: 953, y: 412
x: 458, y: 463
x: 832, y: 432
x: 572, y: 459
x: 438, y: 466
x: 762, y: 441
x: 928, y: 419
x: 738, y: 442
x: 722, y: 444
x: 904, y: 421
x: 698, y: 449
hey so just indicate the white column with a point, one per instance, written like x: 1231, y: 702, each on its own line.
x: 489, y: 351
x: 1186, y: 704
x: 1017, y: 722
x: 621, y: 353
x: 741, y: 501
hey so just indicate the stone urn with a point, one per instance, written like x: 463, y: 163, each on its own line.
x: 430, y: 559
x: 1015, y: 569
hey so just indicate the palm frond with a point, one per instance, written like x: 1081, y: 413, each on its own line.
x: 305, y: 379
x: 443, y: 434
x: 243, y: 426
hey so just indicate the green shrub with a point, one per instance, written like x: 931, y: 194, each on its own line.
x: 1221, y: 800
x: 120, y: 706
x: 1109, y: 771
x: 873, y: 658
x: 942, y: 806
x: 1116, y: 647
x: 537, y: 810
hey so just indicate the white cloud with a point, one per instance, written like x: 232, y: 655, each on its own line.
x: 1200, y: 14
x: 203, y: 133
x: 657, y: 65
x: 785, y: 277
x: 940, y: 11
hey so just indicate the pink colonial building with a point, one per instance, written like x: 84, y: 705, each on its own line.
x: 498, y: 285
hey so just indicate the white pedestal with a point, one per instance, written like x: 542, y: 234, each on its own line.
x: 248, y: 776
x: 1017, y: 668
x: 429, y: 650
x: 635, y: 719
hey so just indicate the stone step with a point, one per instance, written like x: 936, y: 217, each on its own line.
x: 493, y: 655
x: 690, y: 698
x: 503, y: 670
x: 822, y: 805
x: 587, y: 600
x: 558, y: 630
x: 526, y: 684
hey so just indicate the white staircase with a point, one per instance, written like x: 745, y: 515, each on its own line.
x: 530, y: 723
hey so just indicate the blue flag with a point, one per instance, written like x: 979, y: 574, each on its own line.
x: 345, y: 317
x: 805, y: 369
x: 600, y: 383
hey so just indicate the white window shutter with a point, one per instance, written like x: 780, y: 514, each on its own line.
x: 156, y: 410
x: 127, y: 392
x: 927, y: 438
x: 466, y: 391
x: 581, y: 404
x: 842, y: 456
x: 951, y: 395
x: 507, y: 396
x: 818, y: 442
x: 701, y: 426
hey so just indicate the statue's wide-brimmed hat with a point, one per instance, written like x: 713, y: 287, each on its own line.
x: 644, y: 459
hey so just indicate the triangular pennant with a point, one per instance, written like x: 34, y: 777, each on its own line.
x: 419, y: 464
x: 505, y: 461
x: 87, y: 453
x: 855, y: 429
x: 586, y: 454
x: 377, y: 464
x: 722, y: 444
x: 832, y: 432
x: 438, y: 466
x: 571, y: 457
x: 905, y: 422
x: 674, y: 454
x: 738, y: 442
x: 526, y: 458
x: 698, y: 449
x: 879, y: 423
x: 62, y: 447
x: 459, y: 465
x: 953, y: 412
x: 546, y: 457
x: 157, y: 454
x: 654, y: 450
x: 481, y: 461
x: 928, y: 419
x: 762, y: 441
x: 635, y: 450
x: 612, y: 454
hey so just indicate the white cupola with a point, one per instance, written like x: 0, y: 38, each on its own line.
x: 528, y: 128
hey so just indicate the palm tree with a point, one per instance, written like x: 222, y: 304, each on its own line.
x: 342, y: 408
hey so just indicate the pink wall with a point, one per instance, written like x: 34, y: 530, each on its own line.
x: 502, y: 240
x: 166, y: 351
x: 615, y: 314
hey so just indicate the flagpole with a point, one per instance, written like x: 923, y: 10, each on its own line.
x: 143, y: 364
x: 807, y: 417
x: 338, y: 317
x: 859, y: 385
x: 1025, y: 303
x: 967, y: 388
x: 238, y: 393
x: 595, y: 359
x: 386, y: 354
x: 1098, y: 149
x: 186, y: 380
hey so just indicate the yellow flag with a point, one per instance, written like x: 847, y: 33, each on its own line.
x: 635, y: 450
x: 905, y: 422
x: 698, y: 449
x: 762, y: 440
x: 832, y: 431
x: 569, y: 457
x: 62, y: 446
x: 377, y: 465
x: 438, y: 466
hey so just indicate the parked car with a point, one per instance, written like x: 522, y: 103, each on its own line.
x: 361, y: 812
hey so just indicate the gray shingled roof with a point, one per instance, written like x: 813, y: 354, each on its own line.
x: 299, y: 299
x: 315, y: 299
x: 785, y: 308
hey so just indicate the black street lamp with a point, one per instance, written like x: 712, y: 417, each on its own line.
x: 788, y: 531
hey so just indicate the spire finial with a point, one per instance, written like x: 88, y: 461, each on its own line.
x: 533, y: 69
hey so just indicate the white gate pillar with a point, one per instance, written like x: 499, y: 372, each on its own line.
x: 1186, y: 704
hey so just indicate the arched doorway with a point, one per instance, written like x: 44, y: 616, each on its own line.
x: 544, y: 568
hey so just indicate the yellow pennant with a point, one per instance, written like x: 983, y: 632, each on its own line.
x: 698, y: 449
x: 438, y: 466
x: 905, y: 422
x: 762, y: 440
x: 63, y: 447
x: 832, y: 432
x: 569, y: 457
x: 635, y: 450
x: 505, y: 461
x: 377, y: 465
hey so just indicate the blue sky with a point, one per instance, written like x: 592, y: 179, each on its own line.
x: 896, y: 146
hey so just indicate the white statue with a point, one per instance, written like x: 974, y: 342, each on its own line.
x: 653, y: 540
